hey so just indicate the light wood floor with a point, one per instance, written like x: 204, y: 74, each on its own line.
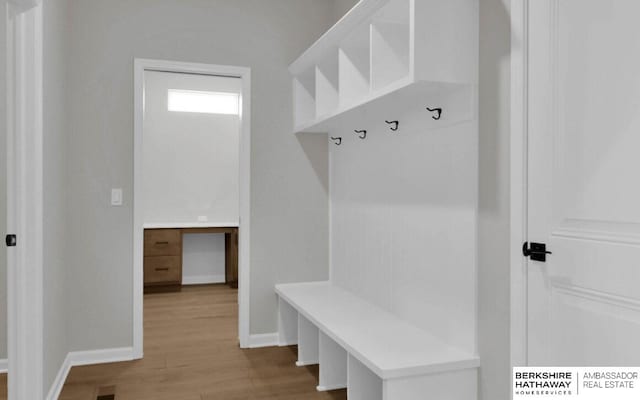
x: 191, y: 353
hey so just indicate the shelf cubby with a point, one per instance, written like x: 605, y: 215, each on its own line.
x: 363, y: 384
x: 354, y: 66
x: 382, y: 48
x: 327, y: 85
x: 304, y: 97
x: 333, y: 365
x: 308, y: 343
x: 390, y: 44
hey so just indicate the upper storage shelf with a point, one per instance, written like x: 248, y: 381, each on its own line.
x: 379, y: 52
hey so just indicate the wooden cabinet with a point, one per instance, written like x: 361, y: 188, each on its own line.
x: 163, y: 255
x: 162, y: 242
x: 164, y: 270
x: 231, y: 258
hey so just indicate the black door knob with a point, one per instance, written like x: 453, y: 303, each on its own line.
x: 536, y: 251
x: 11, y: 240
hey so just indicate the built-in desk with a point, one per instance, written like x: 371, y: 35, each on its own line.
x: 163, y: 254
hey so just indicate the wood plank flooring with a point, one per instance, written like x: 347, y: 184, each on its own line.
x: 192, y: 353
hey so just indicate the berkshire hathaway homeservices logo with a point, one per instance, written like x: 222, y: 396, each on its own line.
x: 586, y: 383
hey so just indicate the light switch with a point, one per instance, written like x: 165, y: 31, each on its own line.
x: 116, y: 197
x: 203, y: 218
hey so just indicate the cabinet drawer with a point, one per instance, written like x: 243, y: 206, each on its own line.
x: 162, y: 242
x: 163, y: 270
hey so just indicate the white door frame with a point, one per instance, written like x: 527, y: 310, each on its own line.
x: 140, y: 66
x: 25, y: 198
x: 519, y: 178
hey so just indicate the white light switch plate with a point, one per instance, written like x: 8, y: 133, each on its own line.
x: 116, y: 197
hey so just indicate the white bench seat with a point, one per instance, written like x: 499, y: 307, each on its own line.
x: 388, y: 346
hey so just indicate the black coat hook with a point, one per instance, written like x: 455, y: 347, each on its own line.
x: 437, y: 111
x: 337, y: 140
x: 395, y: 123
x: 361, y: 134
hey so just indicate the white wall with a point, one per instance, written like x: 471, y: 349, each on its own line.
x: 403, y: 222
x: 341, y: 7
x: 3, y: 186
x: 289, y: 204
x: 190, y: 160
x: 55, y: 193
x: 493, y: 228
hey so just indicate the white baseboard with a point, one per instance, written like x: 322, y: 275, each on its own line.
x: 91, y: 357
x: 263, y: 340
x: 203, y: 279
x: 106, y: 356
x: 61, y: 377
x: 4, y: 366
x: 306, y: 363
x: 332, y: 387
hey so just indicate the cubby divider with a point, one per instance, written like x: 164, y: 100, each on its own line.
x: 363, y: 384
x: 287, y: 324
x: 307, y: 342
x: 327, y: 85
x: 333, y: 365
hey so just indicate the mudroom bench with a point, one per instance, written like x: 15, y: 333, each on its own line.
x: 369, y: 351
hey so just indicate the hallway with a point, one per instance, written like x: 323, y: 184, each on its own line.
x: 191, y: 353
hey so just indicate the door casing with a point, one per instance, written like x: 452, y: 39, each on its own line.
x: 25, y: 198
x: 519, y: 178
x: 244, y: 73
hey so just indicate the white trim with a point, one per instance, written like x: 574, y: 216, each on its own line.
x: 25, y: 200
x: 263, y: 340
x: 244, y: 262
x: 21, y: 6
x: 58, y: 382
x: 518, y: 180
x: 4, y: 366
x: 326, y: 388
x: 91, y: 357
x: 176, y: 225
x: 203, y: 279
x: 104, y: 356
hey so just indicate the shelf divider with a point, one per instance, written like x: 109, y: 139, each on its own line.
x: 363, y: 384
x: 333, y: 365
x: 327, y: 87
x: 308, y: 346
x: 287, y: 324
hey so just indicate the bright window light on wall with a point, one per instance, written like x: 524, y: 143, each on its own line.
x: 204, y: 102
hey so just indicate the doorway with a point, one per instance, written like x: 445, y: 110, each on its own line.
x: 178, y: 207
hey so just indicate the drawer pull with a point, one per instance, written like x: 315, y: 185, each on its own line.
x: 162, y: 269
x: 162, y: 243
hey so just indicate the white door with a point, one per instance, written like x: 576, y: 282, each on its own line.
x: 584, y: 182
